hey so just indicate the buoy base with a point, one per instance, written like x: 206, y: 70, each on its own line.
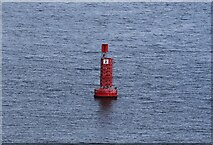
x: 106, y: 93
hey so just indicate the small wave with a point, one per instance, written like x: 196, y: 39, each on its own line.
x: 83, y: 69
x: 54, y: 90
x: 91, y: 52
x: 36, y: 57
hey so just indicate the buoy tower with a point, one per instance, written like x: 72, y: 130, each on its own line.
x: 106, y: 89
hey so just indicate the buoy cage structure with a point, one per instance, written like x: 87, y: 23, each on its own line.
x: 106, y: 89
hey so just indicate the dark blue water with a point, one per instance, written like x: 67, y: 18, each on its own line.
x: 51, y: 55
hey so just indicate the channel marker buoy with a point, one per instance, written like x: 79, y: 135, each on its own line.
x: 106, y: 89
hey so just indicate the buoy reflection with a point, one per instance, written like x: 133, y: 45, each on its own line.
x: 105, y: 117
x: 105, y: 105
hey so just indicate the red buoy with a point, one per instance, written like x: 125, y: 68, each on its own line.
x: 106, y: 88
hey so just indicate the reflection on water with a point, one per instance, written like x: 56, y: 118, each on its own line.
x: 105, y: 117
x: 105, y: 105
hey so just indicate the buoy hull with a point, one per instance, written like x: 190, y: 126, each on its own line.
x: 106, y: 93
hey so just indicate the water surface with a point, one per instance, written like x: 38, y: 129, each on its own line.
x: 51, y: 55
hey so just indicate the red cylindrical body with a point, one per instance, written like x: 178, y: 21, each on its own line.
x: 106, y: 72
x: 106, y: 88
